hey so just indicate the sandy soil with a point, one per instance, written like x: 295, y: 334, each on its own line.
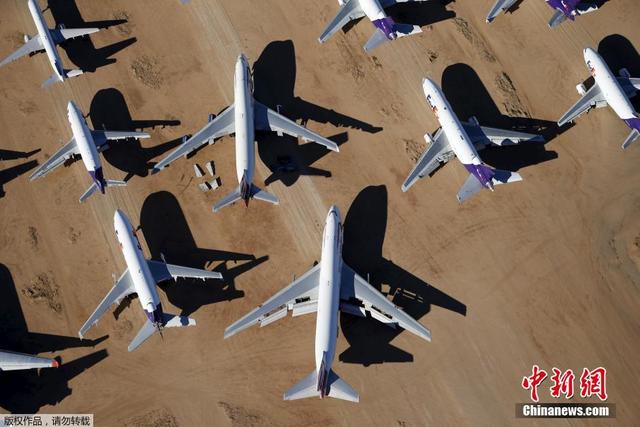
x: 541, y: 272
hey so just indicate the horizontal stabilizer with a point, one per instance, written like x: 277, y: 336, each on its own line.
x: 376, y: 40
x: 505, y: 177
x: 53, y: 79
x: 145, y: 332
x: 92, y: 189
x: 633, y: 136
x: 470, y: 187
x: 73, y: 73
x: 173, y: 321
x: 148, y: 329
x: 264, y: 196
x: 308, y: 387
x: 404, y: 30
x: 228, y: 199
x: 557, y: 19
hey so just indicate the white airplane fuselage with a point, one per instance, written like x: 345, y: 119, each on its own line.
x: 609, y: 85
x: 328, y: 297
x: 45, y: 37
x: 372, y: 9
x: 84, y: 138
x: 244, y: 122
x: 143, y: 281
x: 458, y: 138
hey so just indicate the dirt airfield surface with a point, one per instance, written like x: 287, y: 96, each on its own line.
x: 544, y: 272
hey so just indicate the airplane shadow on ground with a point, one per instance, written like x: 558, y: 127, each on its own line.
x: 11, y: 173
x: 469, y: 97
x: 166, y: 231
x: 364, y: 230
x: 618, y: 52
x: 82, y: 52
x: 27, y: 391
x: 109, y: 111
x: 274, y: 76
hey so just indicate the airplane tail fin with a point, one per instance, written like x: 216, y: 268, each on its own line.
x: 148, y: 329
x: 92, y: 189
x: 472, y: 185
x: 633, y: 136
x: 308, y: 387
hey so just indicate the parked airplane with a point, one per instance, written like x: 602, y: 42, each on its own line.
x: 11, y: 361
x: 47, y: 40
x: 141, y: 277
x: 327, y: 288
x: 386, y: 28
x: 87, y: 143
x: 243, y: 118
x: 607, y: 90
x: 462, y: 140
x: 564, y: 9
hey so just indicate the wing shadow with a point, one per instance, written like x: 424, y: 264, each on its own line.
x: 167, y: 232
x: 110, y: 111
x: 27, y: 391
x: 82, y: 52
x: 364, y: 230
x: 469, y: 97
x: 274, y: 76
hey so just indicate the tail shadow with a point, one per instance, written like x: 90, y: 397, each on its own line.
x: 82, y: 52
x: 9, y: 174
x: 421, y: 14
x: 109, y: 111
x: 274, y: 76
x: 364, y: 230
x: 167, y: 233
x: 469, y: 97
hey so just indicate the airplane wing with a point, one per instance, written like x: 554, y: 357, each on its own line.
x: 300, y: 296
x: 33, y: 45
x: 123, y: 287
x: 66, y: 152
x: 11, y: 361
x: 499, y: 7
x: 222, y: 125
x: 100, y: 137
x: 438, y: 151
x: 354, y: 290
x: 61, y: 34
x: 162, y: 271
x: 481, y: 135
x: 348, y: 12
x: 588, y: 101
x: 267, y: 119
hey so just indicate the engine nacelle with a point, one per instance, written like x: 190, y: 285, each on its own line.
x: 581, y: 89
x: 26, y: 39
x: 428, y: 139
x: 624, y: 73
x: 211, y: 117
x: 474, y: 121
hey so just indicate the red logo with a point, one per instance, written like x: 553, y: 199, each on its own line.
x: 592, y: 383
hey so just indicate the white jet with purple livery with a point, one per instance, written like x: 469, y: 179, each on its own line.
x: 141, y: 277
x: 463, y: 140
x: 87, y: 144
x: 386, y: 28
x: 46, y: 40
x: 243, y: 118
x: 564, y: 9
x: 607, y: 90
x: 11, y: 361
x: 329, y: 287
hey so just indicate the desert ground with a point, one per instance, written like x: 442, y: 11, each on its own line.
x: 546, y: 271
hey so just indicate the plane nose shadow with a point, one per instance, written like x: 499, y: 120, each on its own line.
x: 364, y: 230
x: 110, y: 111
x: 274, y: 75
x: 167, y: 233
x: 469, y: 97
x: 82, y: 52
